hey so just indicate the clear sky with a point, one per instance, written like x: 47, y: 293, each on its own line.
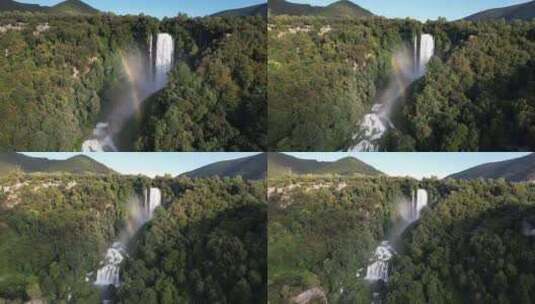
x: 150, y: 164
x: 416, y: 165
x: 160, y: 8
x: 423, y: 9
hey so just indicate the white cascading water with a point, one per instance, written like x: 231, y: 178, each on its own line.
x: 153, y: 199
x: 380, y: 262
x: 101, y: 140
x: 407, y: 68
x: 165, y: 50
x: 378, y: 269
x: 108, y: 273
x: 161, y: 56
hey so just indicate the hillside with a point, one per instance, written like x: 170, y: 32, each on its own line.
x: 10, y: 5
x: 282, y: 164
x: 524, y: 11
x: 255, y: 10
x: 79, y: 164
x: 339, y: 9
x: 69, y: 7
x: 253, y: 167
x: 514, y: 170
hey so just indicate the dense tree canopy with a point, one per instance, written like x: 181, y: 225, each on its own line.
x: 325, y: 74
x: 206, y: 243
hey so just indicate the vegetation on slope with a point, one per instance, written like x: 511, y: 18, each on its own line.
x: 253, y: 168
x: 325, y: 74
x: 338, y: 9
x: 322, y: 232
x: 53, y: 231
x: 216, y: 97
x: 208, y: 245
x: 475, y: 246
x: 514, y: 170
x: 56, y: 73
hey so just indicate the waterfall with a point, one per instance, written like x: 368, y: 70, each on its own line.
x: 145, y: 80
x: 165, y: 51
x: 101, y: 141
x: 427, y: 50
x: 109, y: 272
x: 153, y: 199
x: 378, y: 269
x: 408, y: 67
x: 418, y: 202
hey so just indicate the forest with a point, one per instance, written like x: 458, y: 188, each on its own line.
x: 55, y: 228
x: 216, y: 99
x: 60, y: 75
x: 472, y: 243
x: 325, y: 75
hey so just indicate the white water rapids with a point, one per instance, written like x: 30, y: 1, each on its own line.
x: 154, y: 78
x: 407, y: 68
x: 108, y: 273
x: 378, y: 269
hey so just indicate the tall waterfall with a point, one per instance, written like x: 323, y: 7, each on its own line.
x: 423, y: 54
x: 145, y: 80
x: 165, y: 51
x: 407, y: 68
x: 108, y: 273
x: 378, y: 269
x: 153, y: 199
x: 418, y: 202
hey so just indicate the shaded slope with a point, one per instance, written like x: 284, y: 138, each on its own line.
x: 514, y: 170
x: 255, y: 10
x: 79, y: 164
x: 524, y: 11
x: 253, y: 167
x: 282, y: 164
x: 69, y: 7
x: 342, y: 8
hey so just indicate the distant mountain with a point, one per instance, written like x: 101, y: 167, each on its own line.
x: 69, y: 7
x: 282, y: 164
x: 255, y: 10
x: 10, y: 5
x: 253, y: 167
x: 524, y: 11
x: 514, y: 170
x: 80, y: 164
x: 339, y: 9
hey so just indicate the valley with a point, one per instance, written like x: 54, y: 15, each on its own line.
x: 110, y: 238
x: 78, y: 79
x: 371, y: 83
x: 388, y: 239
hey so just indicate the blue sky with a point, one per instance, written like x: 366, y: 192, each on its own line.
x: 423, y: 9
x: 160, y: 8
x: 416, y: 165
x: 151, y: 164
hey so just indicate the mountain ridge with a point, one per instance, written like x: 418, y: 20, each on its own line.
x: 514, y: 170
x: 79, y: 164
x: 252, y: 167
x: 67, y: 7
x: 253, y: 10
x: 523, y: 11
x: 280, y: 164
x: 338, y: 9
